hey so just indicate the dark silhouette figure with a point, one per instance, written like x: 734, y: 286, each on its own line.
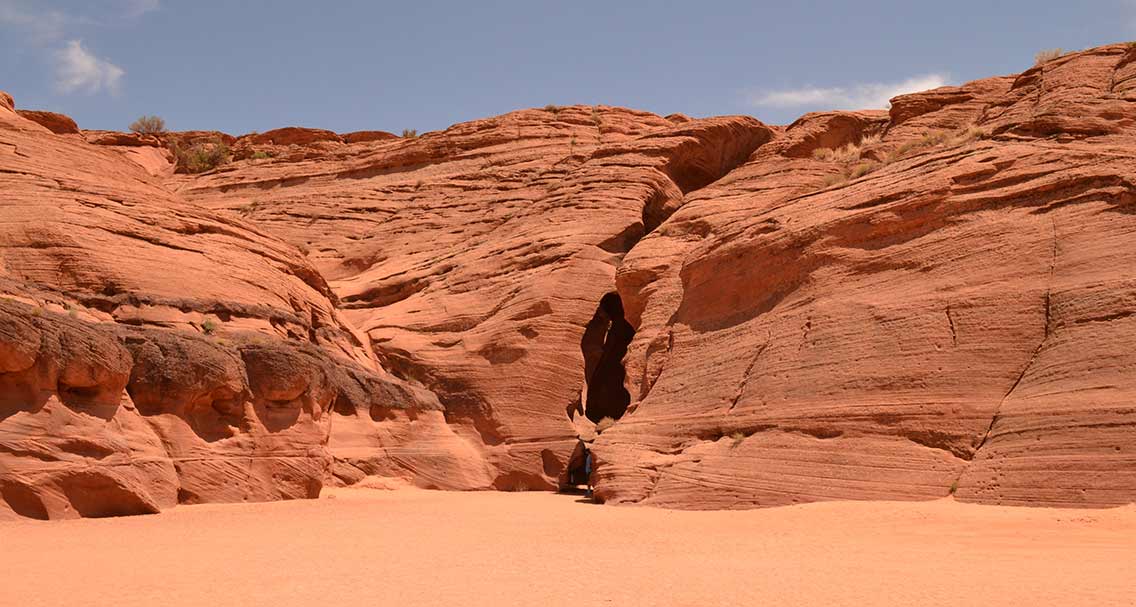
x: 579, y: 470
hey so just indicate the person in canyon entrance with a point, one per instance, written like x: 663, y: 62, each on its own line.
x: 588, y: 471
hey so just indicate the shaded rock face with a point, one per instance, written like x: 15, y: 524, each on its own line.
x: 907, y: 304
x: 604, y: 346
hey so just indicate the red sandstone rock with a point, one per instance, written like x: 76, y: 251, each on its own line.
x: 56, y: 123
x: 364, y: 136
x: 945, y: 306
x: 188, y: 138
x: 957, y: 320
x: 488, y: 326
x: 294, y: 135
x: 115, y: 138
x: 153, y: 352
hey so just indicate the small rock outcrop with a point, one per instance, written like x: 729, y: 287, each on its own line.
x: 56, y: 123
x: 294, y: 135
x: 365, y: 136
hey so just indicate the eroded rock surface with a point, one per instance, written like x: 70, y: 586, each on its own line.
x: 472, y: 258
x: 959, y: 319
x: 907, y: 304
x: 155, y: 352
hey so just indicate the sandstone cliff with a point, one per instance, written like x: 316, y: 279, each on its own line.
x: 936, y: 299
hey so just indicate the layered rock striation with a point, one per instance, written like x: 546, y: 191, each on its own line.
x: 936, y: 299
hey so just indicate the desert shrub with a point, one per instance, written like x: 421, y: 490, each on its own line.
x: 855, y: 167
x: 972, y: 133
x: 823, y: 154
x: 837, y: 179
x: 555, y: 109
x: 260, y: 155
x: 1047, y: 55
x: 954, y: 487
x: 867, y: 140
x: 846, y: 153
x: 851, y: 172
x: 148, y: 125
x: 409, y: 133
x: 604, y: 424
x: 938, y: 138
x: 931, y: 139
x: 199, y: 157
x: 860, y: 169
x: 737, y: 437
x: 208, y: 327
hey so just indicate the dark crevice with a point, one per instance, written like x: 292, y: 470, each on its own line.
x: 604, y: 345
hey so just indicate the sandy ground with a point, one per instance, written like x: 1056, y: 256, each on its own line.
x: 407, y: 547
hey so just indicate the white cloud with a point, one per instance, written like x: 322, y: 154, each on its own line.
x: 866, y: 95
x: 77, y: 70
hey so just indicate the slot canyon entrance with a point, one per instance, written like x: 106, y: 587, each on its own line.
x: 604, y: 345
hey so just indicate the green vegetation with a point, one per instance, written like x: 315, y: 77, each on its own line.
x: 954, y: 487
x: 260, y: 155
x: 737, y: 437
x: 409, y: 133
x: 199, y: 157
x: 208, y: 327
x: 555, y: 109
x: 148, y: 125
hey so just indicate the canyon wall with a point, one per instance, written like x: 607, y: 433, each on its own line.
x: 936, y: 299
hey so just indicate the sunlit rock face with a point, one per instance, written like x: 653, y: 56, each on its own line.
x: 936, y: 299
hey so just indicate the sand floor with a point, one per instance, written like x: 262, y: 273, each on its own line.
x: 414, y: 548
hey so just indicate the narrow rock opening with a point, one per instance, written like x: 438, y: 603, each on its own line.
x: 604, y: 345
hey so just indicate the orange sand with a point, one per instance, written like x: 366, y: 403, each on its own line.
x: 414, y: 548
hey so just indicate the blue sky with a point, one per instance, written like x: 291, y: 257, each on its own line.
x: 240, y: 66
